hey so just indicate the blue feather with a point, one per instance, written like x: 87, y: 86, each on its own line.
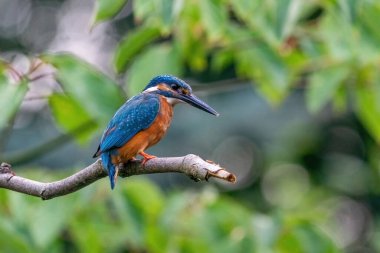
x: 106, y: 160
x: 169, y: 79
x: 137, y: 114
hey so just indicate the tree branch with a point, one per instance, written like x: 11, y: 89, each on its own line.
x: 193, y: 166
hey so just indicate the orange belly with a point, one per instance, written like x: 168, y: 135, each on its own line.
x: 148, y: 137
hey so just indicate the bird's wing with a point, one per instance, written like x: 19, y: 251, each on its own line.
x: 135, y: 115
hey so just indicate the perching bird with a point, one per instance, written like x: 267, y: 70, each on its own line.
x: 142, y: 121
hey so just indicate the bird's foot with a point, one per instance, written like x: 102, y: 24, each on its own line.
x: 147, y: 157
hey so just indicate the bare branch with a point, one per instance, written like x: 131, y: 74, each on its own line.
x: 191, y: 165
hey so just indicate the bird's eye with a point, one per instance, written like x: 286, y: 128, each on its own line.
x: 174, y: 86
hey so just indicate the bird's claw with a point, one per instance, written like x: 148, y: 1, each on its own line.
x: 147, y: 157
x: 145, y: 160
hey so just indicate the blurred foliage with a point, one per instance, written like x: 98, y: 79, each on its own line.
x: 328, y: 48
x: 273, y: 43
x: 11, y: 96
x: 93, y: 86
x: 139, y: 217
x: 106, y: 9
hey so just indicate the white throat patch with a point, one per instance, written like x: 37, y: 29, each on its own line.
x: 173, y: 101
x: 151, y: 89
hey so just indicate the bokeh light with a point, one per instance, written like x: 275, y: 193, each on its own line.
x: 285, y: 185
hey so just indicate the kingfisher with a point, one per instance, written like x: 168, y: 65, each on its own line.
x: 142, y: 121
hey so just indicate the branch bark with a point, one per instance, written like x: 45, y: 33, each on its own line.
x: 193, y: 166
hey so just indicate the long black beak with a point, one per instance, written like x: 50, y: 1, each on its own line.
x: 196, y: 102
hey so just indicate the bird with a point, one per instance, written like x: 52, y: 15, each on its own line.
x: 142, y: 121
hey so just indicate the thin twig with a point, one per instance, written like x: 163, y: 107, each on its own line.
x: 41, y: 97
x: 36, y: 63
x: 36, y: 78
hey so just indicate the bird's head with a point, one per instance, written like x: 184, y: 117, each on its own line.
x: 176, y: 90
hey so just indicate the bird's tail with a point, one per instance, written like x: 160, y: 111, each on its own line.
x: 107, y: 163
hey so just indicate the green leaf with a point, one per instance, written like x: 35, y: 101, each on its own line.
x: 85, y: 229
x: 349, y: 8
x: 107, y: 9
x: 130, y: 217
x: 159, y: 59
x: 338, y: 46
x: 72, y: 117
x: 95, y: 92
x: 221, y: 60
x: 287, y: 15
x: 324, y: 85
x: 304, y: 237
x: 11, y: 240
x: 339, y: 101
x: 159, y: 13
x: 133, y: 44
x: 225, y: 217
x: 144, y: 9
x: 48, y: 221
x: 268, y: 71
x: 369, y: 22
x: 244, y: 8
x: 144, y: 202
x: 167, y: 14
x: 259, y: 16
x: 214, y: 17
x: 368, y: 108
x: 151, y: 204
x: 30, y: 224
x: 11, y: 96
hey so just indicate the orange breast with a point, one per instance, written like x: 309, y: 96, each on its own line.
x: 148, y: 137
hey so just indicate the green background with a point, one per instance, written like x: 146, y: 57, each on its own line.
x: 297, y: 85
